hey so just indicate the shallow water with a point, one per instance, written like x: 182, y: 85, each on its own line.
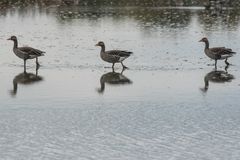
x: 161, y: 108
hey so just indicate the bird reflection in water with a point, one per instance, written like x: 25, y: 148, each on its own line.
x: 113, y: 78
x: 216, y: 76
x: 25, y: 79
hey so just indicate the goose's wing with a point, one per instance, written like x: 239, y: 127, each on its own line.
x: 119, y: 53
x: 31, y: 51
x: 222, y: 51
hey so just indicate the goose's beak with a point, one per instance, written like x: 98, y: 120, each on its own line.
x: 9, y: 39
x: 96, y: 45
x: 200, y: 40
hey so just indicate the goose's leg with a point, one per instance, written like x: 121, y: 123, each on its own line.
x: 37, y: 62
x: 37, y: 70
x: 24, y: 65
x: 124, y: 67
x: 226, y: 68
x: 113, y: 70
x: 226, y: 62
x: 215, y: 64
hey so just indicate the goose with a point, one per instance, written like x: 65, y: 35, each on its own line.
x: 25, y: 53
x: 218, y: 53
x: 113, y: 56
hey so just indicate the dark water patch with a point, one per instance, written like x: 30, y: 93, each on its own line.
x: 145, y: 3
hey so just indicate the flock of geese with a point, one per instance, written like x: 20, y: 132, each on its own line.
x: 118, y: 56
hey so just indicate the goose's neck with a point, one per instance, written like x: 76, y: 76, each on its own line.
x: 102, y: 87
x: 206, y: 81
x: 15, y: 87
x: 15, y: 44
x: 101, y: 90
x: 103, y: 48
x: 206, y: 45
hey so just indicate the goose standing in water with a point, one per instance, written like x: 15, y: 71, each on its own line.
x: 25, y: 53
x: 218, y: 53
x: 113, y: 56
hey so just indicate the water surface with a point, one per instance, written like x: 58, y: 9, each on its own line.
x: 170, y: 104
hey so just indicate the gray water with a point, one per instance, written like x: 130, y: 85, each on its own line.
x: 160, y: 108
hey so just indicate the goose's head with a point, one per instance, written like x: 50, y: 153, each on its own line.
x: 204, y: 40
x: 12, y: 38
x: 101, y: 44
